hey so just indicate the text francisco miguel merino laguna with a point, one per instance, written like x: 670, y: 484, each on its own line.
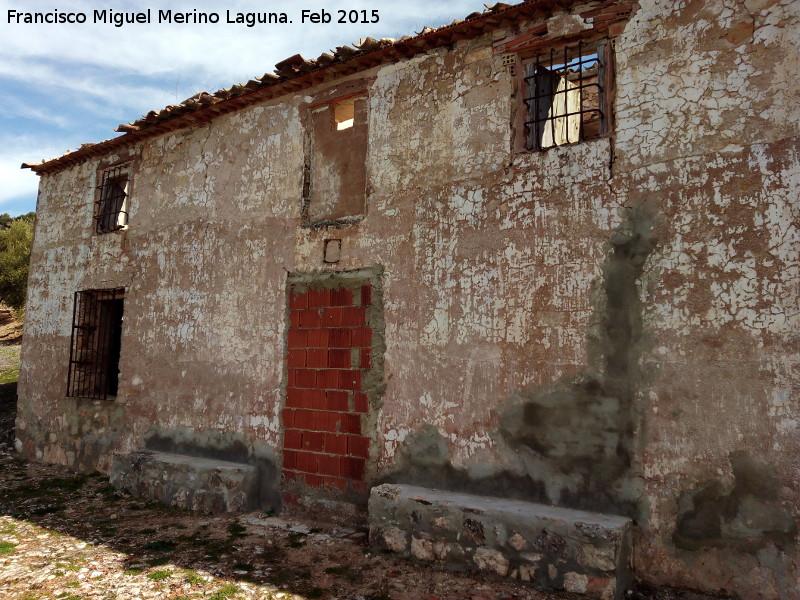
x: 193, y: 17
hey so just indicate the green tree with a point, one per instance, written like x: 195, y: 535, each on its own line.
x: 15, y: 255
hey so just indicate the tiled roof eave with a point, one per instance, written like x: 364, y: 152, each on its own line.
x: 205, y: 107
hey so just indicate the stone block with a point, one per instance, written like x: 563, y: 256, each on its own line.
x: 201, y: 484
x: 550, y: 547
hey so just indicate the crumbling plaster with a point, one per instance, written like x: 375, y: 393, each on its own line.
x: 493, y: 270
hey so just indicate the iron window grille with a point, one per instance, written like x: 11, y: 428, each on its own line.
x: 111, y: 205
x: 565, y: 96
x: 96, y: 341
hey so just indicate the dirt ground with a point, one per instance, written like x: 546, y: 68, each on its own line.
x: 71, y: 536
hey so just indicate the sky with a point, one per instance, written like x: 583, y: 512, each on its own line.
x: 65, y: 84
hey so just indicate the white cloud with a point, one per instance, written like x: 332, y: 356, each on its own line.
x: 14, y: 150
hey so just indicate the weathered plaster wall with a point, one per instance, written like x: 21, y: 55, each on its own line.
x: 611, y: 325
x: 708, y: 133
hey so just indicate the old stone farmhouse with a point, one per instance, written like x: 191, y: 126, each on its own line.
x: 528, y: 282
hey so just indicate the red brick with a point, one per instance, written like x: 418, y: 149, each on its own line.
x: 318, y: 298
x: 339, y: 359
x: 317, y: 338
x: 309, y: 318
x: 342, y: 297
x: 294, y: 319
x: 366, y: 295
x: 361, y: 336
x: 358, y: 446
x: 304, y: 419
x: 316, y: 399
x: 317, y: 357
x: 296, y: 398
x: 354, y: 316
x: 296, y: 358
x: 292, y: 438
x: 335, y: 444
x: 298, y: 300
x: 350, y: 379
x: 305, y: 378
x: 366, y: 358
x: 298, y: 338
x: 308, y: 462
x: 360, y: 402
x: 314, y: 480
x: 323, y: 421
x: 353, y: 468
x: 290, y: 380
x: 340, y: 338
x: 328, y: 379
x: 332, y: 317
x: 616, y: 29
x: 313, y: 441
x: 288, y: 417
x: 289, y: 459
x: 335, y: 483
x: 336, y: 400
x: 329, y: 465
x: 350, y: 423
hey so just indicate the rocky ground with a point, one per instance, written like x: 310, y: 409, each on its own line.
x: 68, y: 536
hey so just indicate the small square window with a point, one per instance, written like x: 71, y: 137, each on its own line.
x: 112, y: 198
x: 344, y: 114
x: 565, y: 96
x: 96, y: 341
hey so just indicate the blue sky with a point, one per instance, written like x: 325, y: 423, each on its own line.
x: 63, y: 84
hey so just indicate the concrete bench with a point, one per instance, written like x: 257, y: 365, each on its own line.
x: 550, y: 547
x: 201, y: 484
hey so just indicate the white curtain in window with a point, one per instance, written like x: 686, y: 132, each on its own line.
x: 562, y: 127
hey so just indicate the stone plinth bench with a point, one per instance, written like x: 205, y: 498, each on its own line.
x: 201, y: 484
x: 550, y: 547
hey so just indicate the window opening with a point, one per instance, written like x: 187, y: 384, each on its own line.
x: 344, y: 114
x: 565, y: 96
x: 111, y: 206
x: 96, y: 342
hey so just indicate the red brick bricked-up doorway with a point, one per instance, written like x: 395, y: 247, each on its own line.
x: 328, y: 357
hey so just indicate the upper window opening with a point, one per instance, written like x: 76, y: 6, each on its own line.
x: 565, y: 96
x: 96, y: 343
x: 336, y: 161
x: 344, y: 114
x: 111, y: 204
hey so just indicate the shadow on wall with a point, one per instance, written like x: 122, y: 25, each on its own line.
x: 747, y: 518
x: 570, y: 444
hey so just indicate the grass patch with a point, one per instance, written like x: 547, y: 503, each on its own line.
x: 159, y: 575
x: 226, y: 591
x: 132, y: 571
x: 194, y: 579
x: 8, y: 529
x: 6, y: 548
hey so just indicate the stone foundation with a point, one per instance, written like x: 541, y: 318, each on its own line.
x: 551, y: 547
x: 200, y: 484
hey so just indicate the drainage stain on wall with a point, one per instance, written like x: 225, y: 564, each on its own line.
x: 570, y: 444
